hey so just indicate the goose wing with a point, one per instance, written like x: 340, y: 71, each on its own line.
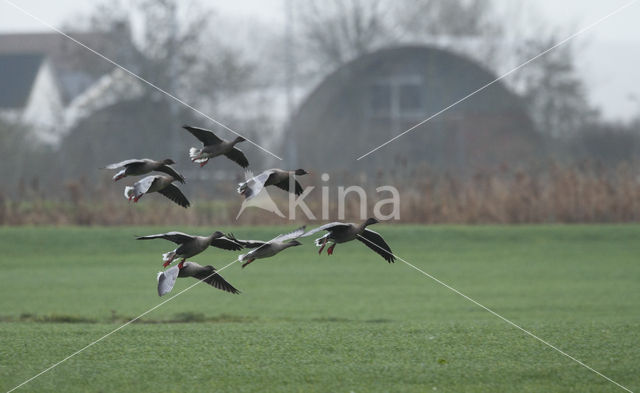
x: 236, y: 155
x: 289, y: 236
x: 176, y: 237
x: 171, y: 172
x: 167, y: 279
x: 374, y: 241
x: 205, y: 136
x: 226, y: 243
x: 285, y: 185
x: 208, y: 274
x: 246, y: 243
x: 124, y: 163
x: 326, y: 227
x: 172, y: 192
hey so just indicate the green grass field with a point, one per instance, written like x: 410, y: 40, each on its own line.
x: 308, y: 323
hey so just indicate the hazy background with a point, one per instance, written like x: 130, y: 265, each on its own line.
x: 320, y: 83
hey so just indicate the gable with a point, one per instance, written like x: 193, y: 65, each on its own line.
x: 17, y: 75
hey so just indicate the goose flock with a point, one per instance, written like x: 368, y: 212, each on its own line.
x: 190, y: 246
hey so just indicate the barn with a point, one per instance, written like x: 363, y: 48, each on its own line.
x: 379, y: 95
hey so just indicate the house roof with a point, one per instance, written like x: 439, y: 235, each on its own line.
x: 18, y: 74
x: 75, y: 67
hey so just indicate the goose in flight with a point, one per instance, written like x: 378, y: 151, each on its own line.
x: 339, y: 232
x: 137, y: 167
x: 215, y: 146
x: 190, y: 245
x: 157, y: 183
x: 271, y: 177
x: 167, y: 278
x: 261, y: 249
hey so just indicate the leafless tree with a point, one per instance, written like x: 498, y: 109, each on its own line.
x: 336, y: 31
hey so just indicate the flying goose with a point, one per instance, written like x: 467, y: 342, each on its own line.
x: 268, y: 249
x: 214, y: 146
x: 339, y: 232
x: 137, y: 167
x: 192, y: 245
x: 276, y: 177
x: 167, y: 278
x: 156, y: 183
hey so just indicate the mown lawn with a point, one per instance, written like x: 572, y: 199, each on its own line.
x: 349, y: 322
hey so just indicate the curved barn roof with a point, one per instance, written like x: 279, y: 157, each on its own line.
x: 379, y: 95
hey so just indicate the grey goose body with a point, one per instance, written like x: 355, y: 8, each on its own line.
x: 138, y: 167
x: 207, y: 274
x: 267, y: 249
x: 157, y: 183
x: 272, y: 177
x: 190, y: 245
x: 213, y: 146
x: 340, y: 232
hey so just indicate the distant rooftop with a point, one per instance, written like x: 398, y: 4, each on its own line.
x: 75, y: 67
x: 19, y: 71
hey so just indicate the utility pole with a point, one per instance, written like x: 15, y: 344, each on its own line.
x: 290, y: 71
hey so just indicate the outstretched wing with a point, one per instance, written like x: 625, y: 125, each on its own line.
x: 124, y: 163
x: 209, y: 276
x: 246, y: 243
x: 374, y: 241
x: 176, y: 237
x: 285, y: 186
x: 226, y: 244
x: 289, y: 236
x: 167, y: 279
x: 171, y: 172
x: 326, y: 227
x: 172, y: 192
x: 236, y: 155
x: 205, y: 136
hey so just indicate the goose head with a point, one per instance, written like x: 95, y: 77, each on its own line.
x: 300, y: 172
x: 370, y: 221
x: 168, y: 161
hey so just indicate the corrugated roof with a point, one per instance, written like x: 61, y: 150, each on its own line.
x: 17, y: 75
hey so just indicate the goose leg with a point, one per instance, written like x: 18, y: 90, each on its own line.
x: 330, y: 249
x: 181, y: 264
x: 135, y: 200
x: 203, y: 163
x: 248, y: 262
x: 324, y: 243
x: 169, y: 260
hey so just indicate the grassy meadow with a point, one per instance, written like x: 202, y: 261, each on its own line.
x: 343, y: 323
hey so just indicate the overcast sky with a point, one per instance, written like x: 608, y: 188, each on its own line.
x: 609, y: 61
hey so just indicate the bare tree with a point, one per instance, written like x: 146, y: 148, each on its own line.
x: 554, y: 93
x: 336, y: 31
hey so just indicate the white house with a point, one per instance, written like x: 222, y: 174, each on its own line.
x: 30, y: 94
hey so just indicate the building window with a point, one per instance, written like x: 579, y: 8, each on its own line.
x: 380, y: 97
x: 397, y: 98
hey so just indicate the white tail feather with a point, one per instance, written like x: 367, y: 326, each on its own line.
x: 129, y: 192
x: 194, y: 153
x: 166, y: 257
